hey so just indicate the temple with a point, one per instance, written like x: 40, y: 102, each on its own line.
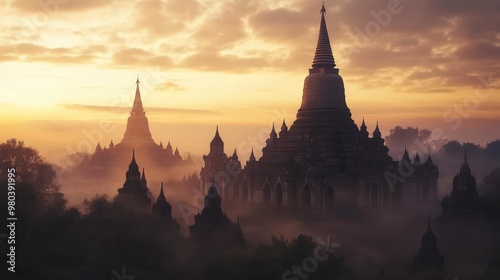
x: 163, y: 210
x: 323, y: 160
x: 464, y: 199
x: 135, y: 189
x: 155, y: 157
x: 212, y: 229
x: 428, y: 259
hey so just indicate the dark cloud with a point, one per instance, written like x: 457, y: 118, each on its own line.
x: 390, y: 58
x: 479, y: 50
x: 282, y: 25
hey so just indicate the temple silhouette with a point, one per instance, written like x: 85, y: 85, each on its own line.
x: 212, y: 229
x: 135, y: 189
x: 464, y: 198
x: 137, y: 136
x: 136, y: 194
x: 428, y: 260
x: 323, y: 160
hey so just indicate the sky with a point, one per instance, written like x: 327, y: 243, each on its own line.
x: 69, y: 68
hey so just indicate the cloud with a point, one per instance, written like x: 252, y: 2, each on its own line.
x: 169, y: 86
x: 456, y: 42
x: 31, y: 6
x: 32, y: 52
x: 478, y: 50
x: 213, y: 61
x: 121, y: 110
x: 223, y: 26
x: 140, y: 57
x: 281, y: 25
x: 155, y: 18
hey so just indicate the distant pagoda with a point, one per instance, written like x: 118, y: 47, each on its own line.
x: 163, y: 210
x: 464, y: 198
x: 155, y: 157
x: 135, y: 189
x: 212, y: 229
x: 428, y: 260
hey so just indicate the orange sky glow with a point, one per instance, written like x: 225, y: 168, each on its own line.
x: 69, y: 68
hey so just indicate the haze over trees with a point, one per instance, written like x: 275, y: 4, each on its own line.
x: 101, y: 236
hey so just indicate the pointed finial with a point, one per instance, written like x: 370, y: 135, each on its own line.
x: 252, y: 156
x: 417, y: 157
x: 137, y: 106
x: 323, y: 57
x: 429, y: 159
x: 161, y: 188
x: 137, y: 81
x: 283, y: 122
x: 363, y: 125
x: 133, y: 154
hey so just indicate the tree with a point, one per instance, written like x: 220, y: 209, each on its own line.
x: 492, y: 181
x: 34, y: 176
x: 400, y: 137
x: 492, y: 150
x: 491, y: 198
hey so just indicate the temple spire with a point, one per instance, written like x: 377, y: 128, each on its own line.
x: 429, y: 159
x: 161, y: 196
x: 465, y: 169
x: 406, y: 156
x: 144, y: 182
x: 133, y: 164
x: 417, y: 158
x: 217, y: 145
x: 376, y: 132
x: 137, y: 107
x: 252, y: 156
x: 323, y: 57
x: 363, y: 125
x: 273, y: 134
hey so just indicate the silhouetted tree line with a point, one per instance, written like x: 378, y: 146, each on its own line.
x: 102, y: 238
